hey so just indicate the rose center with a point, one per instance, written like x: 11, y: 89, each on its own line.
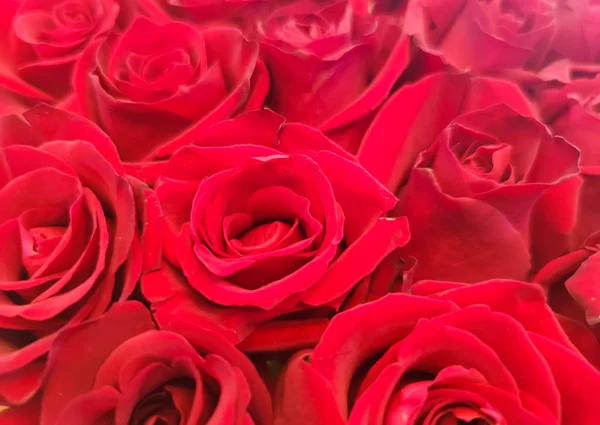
x: 509, y: 7
x: 303, y: 29
x: 38, y: 244
x: 157, y: 408
x: 312, y: 29
x: 481, y: 165
x: 173, y: 401
x: 267, y: 236
x: 42, y: 236
x: 71, y: 14
x: 158, y: 66
x: 456, y: 413
x: 490, y: 161
x: 462, y: 416
x: 510, y: 15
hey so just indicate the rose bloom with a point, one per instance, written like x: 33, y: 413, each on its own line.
x: 480, y: 35
x: 485, y: 183
x: 410, y: 121
x: 132, y: 373
x: 153, y: 88
x: 343, y: 65
x: 479, y: 191
x: 70, y: 239
x: 271, y: 220
x: 490, y: 353
x: 41, y: 40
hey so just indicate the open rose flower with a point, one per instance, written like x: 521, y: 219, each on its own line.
x: 342, y: 65
x: 491, y: 353
x: 270, y: 219
x: 70, y: 240
x: 40, y: 41
x: 140, y: 375
x: 154, y: 87
x: 483, y: 35
x: 480, y: 193
x: 410, y: 121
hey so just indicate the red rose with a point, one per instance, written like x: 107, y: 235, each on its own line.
x: 134, y: 374
x: 477, y: 35
x: 490, y: 353
x: 342, y: 66
x: 269, y: 219
x: 41, y: 40
x: 154, y: 87
x: 70, y: 243
x: 475, y: 200
x: 410, y: 121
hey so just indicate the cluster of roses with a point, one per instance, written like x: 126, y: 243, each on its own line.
x: 299, y: 212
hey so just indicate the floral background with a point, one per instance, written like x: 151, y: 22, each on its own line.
x: 293, y: 212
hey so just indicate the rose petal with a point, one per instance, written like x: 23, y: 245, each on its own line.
x: 119, y: 324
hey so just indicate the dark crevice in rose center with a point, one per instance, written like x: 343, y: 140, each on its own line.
x: 485, y: 159
x: 456, y: 414
x: 450, y: 419
x: 172, y: 402
x: 480, y: 165
x: 157, y: 408
x: 161, y: 406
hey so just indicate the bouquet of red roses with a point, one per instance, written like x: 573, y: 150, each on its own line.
x: 299, y: 212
